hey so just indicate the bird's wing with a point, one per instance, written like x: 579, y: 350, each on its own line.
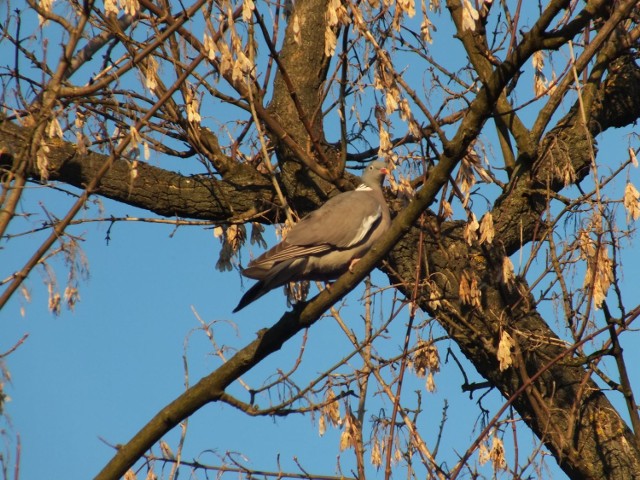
x: 342, y: 222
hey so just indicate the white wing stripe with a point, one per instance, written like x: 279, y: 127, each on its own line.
x: 367, y: 222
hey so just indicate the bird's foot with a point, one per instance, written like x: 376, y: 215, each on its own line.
x: 353, y: 263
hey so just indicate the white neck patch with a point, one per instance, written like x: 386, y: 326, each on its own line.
x: 363, y: 188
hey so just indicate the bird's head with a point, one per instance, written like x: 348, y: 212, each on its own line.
x: 375, y: 173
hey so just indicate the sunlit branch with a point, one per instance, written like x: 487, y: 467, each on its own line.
x: 221, y: 469
x: 580, y: 64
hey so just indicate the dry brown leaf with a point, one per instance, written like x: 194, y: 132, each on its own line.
x: 508, y: 275
x: 504, y: 350
x: 631, y: 203
x: 376, y: 454
x: 497, y: 454
x: 471, y: 229
x: 349, y: 433
x: 331, y: 409
x: 322, y: 425
x: 469, y: 292
x: 632, y: 157
x: 469, y: 16
x: 486, y: 229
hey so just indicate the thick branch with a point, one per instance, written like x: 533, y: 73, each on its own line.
x: 243, y: 195
x: 518, y: 211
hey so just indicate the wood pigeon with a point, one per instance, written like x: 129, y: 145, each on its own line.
x: 327, y: 242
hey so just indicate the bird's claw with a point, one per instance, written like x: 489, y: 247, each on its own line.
x: 352, y: 264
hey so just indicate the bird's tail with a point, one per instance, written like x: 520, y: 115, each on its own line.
x: 254, y: 293
x: 281, y: 274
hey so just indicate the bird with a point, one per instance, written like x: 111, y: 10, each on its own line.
x: 328, y: 241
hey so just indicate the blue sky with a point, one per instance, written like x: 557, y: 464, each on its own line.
x: 103, y: 370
